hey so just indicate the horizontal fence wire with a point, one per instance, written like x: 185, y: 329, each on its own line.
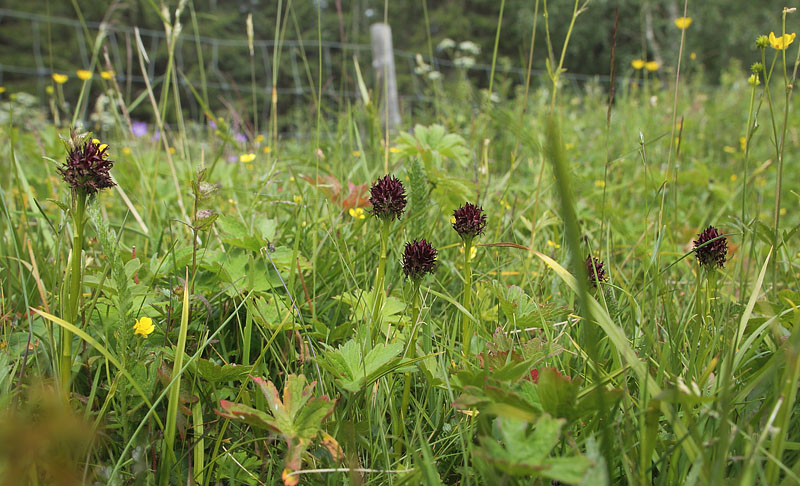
x: 293, y: 79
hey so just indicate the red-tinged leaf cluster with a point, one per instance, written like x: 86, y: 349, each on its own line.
x: 355, y: 197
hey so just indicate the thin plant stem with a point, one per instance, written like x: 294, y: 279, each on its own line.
x: 378, y: 289
x: 466, y: 325
x: 79, y: 209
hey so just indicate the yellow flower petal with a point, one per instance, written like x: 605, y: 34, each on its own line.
x: 782, y: 42
x: 267, y: 149
x: 693, y: 56
x: 107, y: 74
x: 245, y: 158
x: 637, y: 64
x: 683, y: 22
x: 2, y: 89
x: 357, y: 213
x: 394, y: 150
x: 83, y: 74
x: 144, y: 326
x: 298, y: 199
x: 259, y: 138
x: 60, y: 78
x: 356, y: 153
x: 600, y: 183
x: 651, y: 66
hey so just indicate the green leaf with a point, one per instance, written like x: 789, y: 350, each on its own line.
x: 354, y: 371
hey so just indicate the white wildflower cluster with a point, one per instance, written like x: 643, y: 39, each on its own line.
x: 425, y: 69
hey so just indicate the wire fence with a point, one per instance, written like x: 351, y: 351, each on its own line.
x: 296, y: 78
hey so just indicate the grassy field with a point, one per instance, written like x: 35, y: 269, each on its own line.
x: 245, y: 309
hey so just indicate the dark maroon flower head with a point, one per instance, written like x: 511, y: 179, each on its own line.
x: 595, y: 271
x: 419, y: 259
x: 388, y: 198
x: 87, y: 168
x: 711, y: 254
x: 469, y: 221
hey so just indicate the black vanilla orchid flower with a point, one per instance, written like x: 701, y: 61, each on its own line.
x: 87, y: 168
x: 595, y: 271
x: 419, y: 259
x: 388, y: 198
x: 469, y: 221
x: 711, y: 254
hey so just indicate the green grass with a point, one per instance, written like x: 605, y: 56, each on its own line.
x: 665, y: 374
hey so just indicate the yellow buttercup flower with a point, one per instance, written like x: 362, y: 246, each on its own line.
x: 267, y: 149
x: 144, y: 327
x: 599, y: 183
x: 2, y: 89
x: 259, y: 138
x: 637, y: 64
x: 126, y: 150
x: 60, y: 78
x: 693, y: 56
x: 651, y: 66
x: 100, y: 146
x: 472, y: 251
x: 553, y: 244
x: 683, y: 22
x: 734, y: 177
x: 357, y: 213
x: 107, y: 74
x: 83, y: 74
x: 394, y: 150
x: 247, y: 157
x: 782, y: 42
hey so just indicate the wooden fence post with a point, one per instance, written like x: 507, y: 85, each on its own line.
x: 383, y: 63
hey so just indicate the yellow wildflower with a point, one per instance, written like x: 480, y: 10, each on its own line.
x: 100, y: 146
x: 651, y: 66
x: 291, y: 178
x: 267, y: 149
x: 356, y: 153
x: 144, y: 326
x: 259, y: 138
x: 247, y: 157
x: 60, y: 78
x: 126, y: 150
x: 600, y: 183
x: 172, y: 150
x: 49, y: 89
x: 107, y: 74
x: 357, y: 213
x: 734, y: 177
x: 743, y: 143
x: 472, y: 251
x: 753, y: 80
x: 553, y: 244
x: 83, y: 74
x: 394, y: 150
x: 298, y: 199
x: 637, y: 64
x: 683, y: 22
x: 782, y: 42
x: 693, y: 56
x: 783, y: 211
x: 729, y: 150
x: 2, y: 89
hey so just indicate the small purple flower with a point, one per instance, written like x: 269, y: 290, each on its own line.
x: 711, y: 248
x: 419, y: 259
x: 595, y: 271
x: 469, y: 221
x: 157, y: 134
x: 87, y: 168
x: 139, y: 128
x: 239, y: 137
x: 212, y: 124
x: 388, y: 198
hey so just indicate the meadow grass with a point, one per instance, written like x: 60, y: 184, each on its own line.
x: 288, y: 345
